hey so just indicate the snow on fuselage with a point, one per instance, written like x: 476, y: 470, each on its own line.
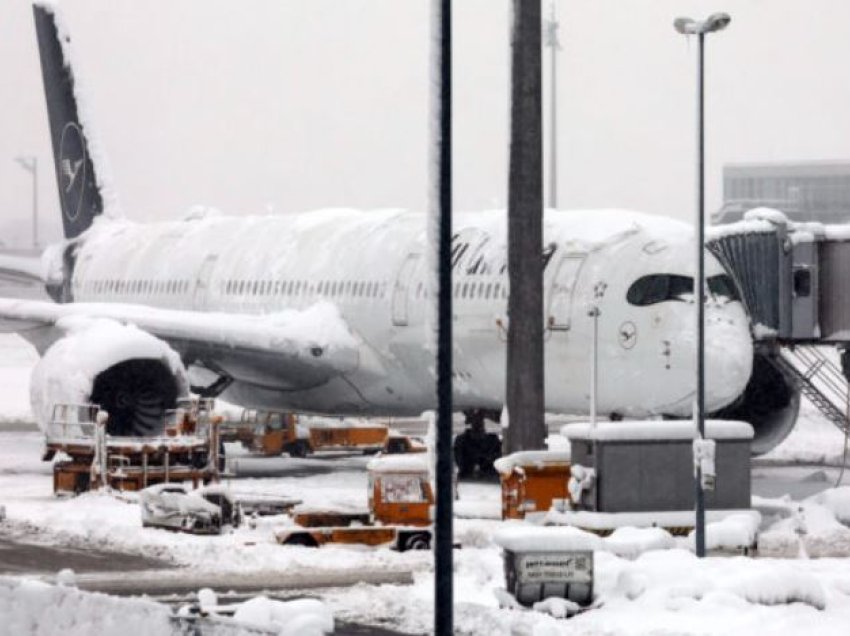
x: 373, y: 267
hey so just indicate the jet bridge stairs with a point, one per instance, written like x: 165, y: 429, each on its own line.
x: 795, y: 279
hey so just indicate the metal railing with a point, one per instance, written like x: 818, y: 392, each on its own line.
x: 819, y: 379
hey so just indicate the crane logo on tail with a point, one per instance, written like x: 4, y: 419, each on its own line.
x: 72, y: 166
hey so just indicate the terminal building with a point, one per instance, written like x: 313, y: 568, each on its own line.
x: 804, y: 191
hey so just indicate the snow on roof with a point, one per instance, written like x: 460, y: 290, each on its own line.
x: 401, y: 463
x: 521, y: 537
x: 537, y: 458
x: 657, y: 430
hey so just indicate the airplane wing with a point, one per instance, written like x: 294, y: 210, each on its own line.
x: 287, y: 350
x: 21, y: 269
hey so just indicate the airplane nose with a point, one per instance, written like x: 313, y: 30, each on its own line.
x: 728, y: 358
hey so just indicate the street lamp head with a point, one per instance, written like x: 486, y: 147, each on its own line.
x: 714, y: 22
x: 685, y: 26
x: 26, y: 162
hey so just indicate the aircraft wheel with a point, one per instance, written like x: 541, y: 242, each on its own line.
x: 416, y: 541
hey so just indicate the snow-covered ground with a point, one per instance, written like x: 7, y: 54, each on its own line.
x: 638, y: 590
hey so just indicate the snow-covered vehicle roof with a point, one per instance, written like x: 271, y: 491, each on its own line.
x: 656, y: 429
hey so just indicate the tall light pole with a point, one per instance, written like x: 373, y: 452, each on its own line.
x: 553, y: 43
x: 687, y: 26
x: 30, y: 164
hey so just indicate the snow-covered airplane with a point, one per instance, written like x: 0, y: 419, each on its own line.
x: 330, y: 311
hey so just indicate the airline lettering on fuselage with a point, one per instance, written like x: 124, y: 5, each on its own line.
x: 471, y: 256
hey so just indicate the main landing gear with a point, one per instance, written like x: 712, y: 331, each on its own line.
x: 475, y: 449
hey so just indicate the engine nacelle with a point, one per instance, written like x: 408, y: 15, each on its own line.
x: 129, y: 373
x: 770, y: 403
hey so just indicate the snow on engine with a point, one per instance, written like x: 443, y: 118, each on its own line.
x: 131, y: 374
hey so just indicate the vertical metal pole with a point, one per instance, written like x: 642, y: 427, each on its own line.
x: 35, y: 202
x: 594, y: 360
x: 443, y: 567
x: 699, y: 298
x: 553, y: 139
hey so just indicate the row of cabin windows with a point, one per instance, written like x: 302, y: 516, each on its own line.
x: 480, y: 290
x: 356, y: 289
x: 332, y: 288
x: 113, y: 286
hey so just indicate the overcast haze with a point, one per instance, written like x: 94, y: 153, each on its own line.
x: 292, y: 105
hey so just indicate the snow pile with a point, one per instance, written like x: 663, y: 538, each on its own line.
x: 630, y: 542
x: 812, y: 528
x: 837, y: 501
x: 301, y: 617
x: 730, y: 533
x: 780, y: 585
x: 31, y: 607
x: 556, y: 607
x: 67, y: 371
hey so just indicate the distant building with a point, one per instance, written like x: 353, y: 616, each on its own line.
x: 804, y: 191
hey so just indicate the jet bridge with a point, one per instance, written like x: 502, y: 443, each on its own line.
x: 794, y: 279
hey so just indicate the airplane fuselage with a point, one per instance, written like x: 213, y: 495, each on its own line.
x: 376, y: 268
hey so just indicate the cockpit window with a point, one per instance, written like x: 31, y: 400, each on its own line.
x: 723, y: 286
x: 658, y: 288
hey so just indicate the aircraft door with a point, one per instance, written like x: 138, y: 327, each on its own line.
x: 562, y: 290
x: 202, y: 284
x: 401, y: 290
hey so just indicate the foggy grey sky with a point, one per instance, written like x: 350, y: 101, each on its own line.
x: 292, y: 105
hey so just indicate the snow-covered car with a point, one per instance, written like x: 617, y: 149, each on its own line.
x: 171, y: 507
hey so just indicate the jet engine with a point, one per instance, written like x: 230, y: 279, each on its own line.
x: 770, y: 403
x: 129, y: 373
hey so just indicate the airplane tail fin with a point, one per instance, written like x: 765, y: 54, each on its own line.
x: 79, y: 191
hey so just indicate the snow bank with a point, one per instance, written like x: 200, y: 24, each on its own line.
x: 301, y: 617
x: 731, y: 533
x: 837, y: 501
x: 631, y: 542
x: 31, y: 607
x: 521, y: 537
x: 657, y: 429
x: 780, y: 585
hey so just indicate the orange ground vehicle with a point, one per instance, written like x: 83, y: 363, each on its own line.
x: 400, y: 502
x: 188, y: 449
x: 267, y: 432
x: 273, y: 432
x: 532, y: 480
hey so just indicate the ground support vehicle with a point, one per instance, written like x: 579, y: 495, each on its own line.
x: 268, y: 433
x: 187, y: 450
x: 271, y: 433
x: 400, y: 505
x: 532, y: 481
x: 172, y: 507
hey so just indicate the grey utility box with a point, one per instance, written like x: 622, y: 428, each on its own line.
x: 648, y: 465
x: 545, y: 562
